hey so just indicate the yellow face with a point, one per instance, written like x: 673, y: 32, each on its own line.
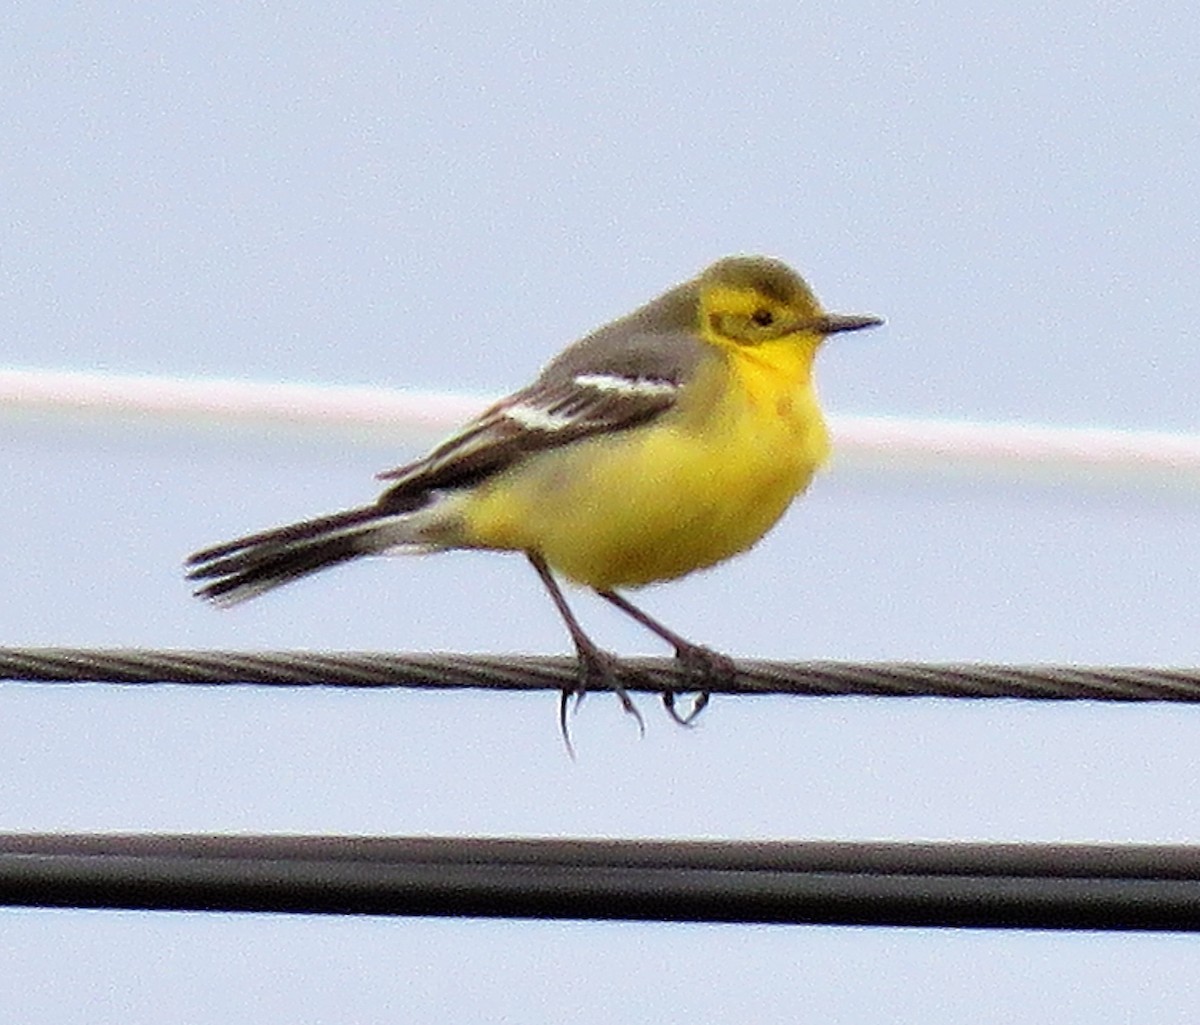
x: 751, y: 317
x: 751, y: 300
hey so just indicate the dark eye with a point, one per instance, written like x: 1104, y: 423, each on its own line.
x: 763, y: 318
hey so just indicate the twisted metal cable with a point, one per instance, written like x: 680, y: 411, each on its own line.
x: 654, y: 675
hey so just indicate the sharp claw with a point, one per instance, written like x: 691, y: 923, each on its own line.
x: 598, y: 670
x: 704, y: 668
x: 688, y: 719
x: 698, y: 706
x: 562, y: 722
x: 609, y: 668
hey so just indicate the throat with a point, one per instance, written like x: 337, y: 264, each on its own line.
x: 776, y: 378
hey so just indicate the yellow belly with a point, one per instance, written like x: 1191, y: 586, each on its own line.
x: 659, y: 501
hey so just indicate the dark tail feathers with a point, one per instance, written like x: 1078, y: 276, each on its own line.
x: 245, y: 568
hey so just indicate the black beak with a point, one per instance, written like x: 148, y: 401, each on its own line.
x: 834, y: 323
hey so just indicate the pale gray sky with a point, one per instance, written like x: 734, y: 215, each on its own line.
x: 441, y: 195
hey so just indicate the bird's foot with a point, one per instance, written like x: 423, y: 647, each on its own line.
x: 598, y: 670
x: 702, y: 669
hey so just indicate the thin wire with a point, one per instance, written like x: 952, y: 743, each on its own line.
x: 1032, y: 886
x: 374, y: 414
x: 653, y: 675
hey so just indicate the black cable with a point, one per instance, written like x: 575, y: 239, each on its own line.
x: 1032, y: 886
x: 658, y: 675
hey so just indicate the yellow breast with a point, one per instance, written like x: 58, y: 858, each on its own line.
x: 689, y: 490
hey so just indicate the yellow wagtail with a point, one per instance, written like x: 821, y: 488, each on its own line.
x: 662, y: 443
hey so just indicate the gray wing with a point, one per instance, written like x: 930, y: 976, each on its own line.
x: 626, y: 374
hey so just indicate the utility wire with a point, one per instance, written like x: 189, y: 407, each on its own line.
x: 894, y: 444
x: 1031, y: 886
x: 655, y: 675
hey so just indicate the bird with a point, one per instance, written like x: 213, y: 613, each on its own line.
x: 662, y: 443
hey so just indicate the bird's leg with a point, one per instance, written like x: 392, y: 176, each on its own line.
x: 597, y: 668
x: 698, y: 664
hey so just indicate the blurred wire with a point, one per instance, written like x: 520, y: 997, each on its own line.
x: 1031, y: 886
x: 374, y: 414
x: 656, y: 675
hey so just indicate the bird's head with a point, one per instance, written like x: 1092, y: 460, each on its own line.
x: 749, y: 300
